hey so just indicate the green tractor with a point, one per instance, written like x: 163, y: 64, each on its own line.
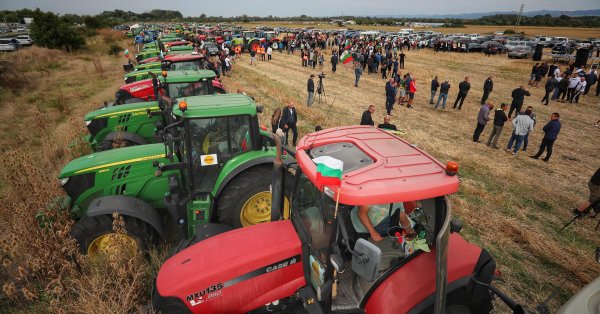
x: 249, y: 41
x: 215, y: 165
x: 189, y: 62
x: 155, y: 52
x: 142, y: 122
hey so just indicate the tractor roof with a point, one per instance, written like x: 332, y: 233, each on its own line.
x: 216, y: 105
x: 184, y: 57
x: 134, y: 108
x: 186, y: 76
x: 378, y: 166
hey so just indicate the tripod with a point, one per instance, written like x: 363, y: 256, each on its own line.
x: 321, y: 89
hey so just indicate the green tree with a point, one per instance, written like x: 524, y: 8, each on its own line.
x: 50, y: 31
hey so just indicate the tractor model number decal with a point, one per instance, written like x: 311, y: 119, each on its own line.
x: 205, y: 295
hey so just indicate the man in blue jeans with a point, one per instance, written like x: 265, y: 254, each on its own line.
x: 444, y: 88
x: 522, y: 125
x: 357, y: 74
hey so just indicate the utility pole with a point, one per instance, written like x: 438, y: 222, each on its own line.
x: 520, y: 14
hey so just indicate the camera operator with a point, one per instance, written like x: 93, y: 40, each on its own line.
x: 594, y: 185
x: 310, y: 85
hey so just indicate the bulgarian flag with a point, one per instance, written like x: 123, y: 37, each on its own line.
x: 346, y: 57
x: 329, y: 171
x: 347, y: 45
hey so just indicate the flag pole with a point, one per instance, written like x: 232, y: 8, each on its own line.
x: 337, y: 201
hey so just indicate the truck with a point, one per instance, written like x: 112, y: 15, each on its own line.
x: 317, y: 261
x: 214, y: 165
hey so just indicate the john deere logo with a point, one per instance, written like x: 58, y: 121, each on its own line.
x: 208, y: 160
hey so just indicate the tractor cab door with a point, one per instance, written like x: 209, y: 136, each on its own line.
x: 212, y: 142
x: 313, y: 218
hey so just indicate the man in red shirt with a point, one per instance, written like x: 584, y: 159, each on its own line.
x: 411, y: 92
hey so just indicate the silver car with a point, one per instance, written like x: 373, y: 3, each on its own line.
x: 7, y: 45
x: 25, y: 40
x: 520, y: 52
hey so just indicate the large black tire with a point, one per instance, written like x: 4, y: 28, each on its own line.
x: 459, y: 302
x: 220, y: 91
x: 239, y: 190
x: 88, y: 229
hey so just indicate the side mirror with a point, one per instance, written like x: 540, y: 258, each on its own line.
x: 366, y: 264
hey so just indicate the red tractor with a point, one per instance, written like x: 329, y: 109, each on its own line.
x: 318, y: 260
x: 174, y: 84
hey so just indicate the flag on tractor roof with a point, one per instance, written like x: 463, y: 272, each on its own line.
x: 329, y: 170
x: 346, y: 57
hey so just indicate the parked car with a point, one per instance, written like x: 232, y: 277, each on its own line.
x: 24, y: 40
x: 211, y: 48
x: 520, y: 52
x: 493, y: 47
x: 510, y: 44
x: 560, y: 50
x: 7, y: 45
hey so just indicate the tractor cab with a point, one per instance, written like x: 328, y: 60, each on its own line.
x: 173, y: 84
x: 320, y: 259
x: 184, y: 62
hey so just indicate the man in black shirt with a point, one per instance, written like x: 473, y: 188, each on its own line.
x: 289, y: 118
x: 334, y: 61
x: 499, y: 120
x: 463, y: 89
x: 488, y: 86
x: 367, y: 118
x: 518, y: 97
x: 594, y: 185
x: 386, y: 124
x: 402, y: 55
x: 434, y: 87
x: 310, y: 86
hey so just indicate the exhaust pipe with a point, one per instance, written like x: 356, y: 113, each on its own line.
x: 277, y: 183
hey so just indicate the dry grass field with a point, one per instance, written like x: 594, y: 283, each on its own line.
x: 511, y: 205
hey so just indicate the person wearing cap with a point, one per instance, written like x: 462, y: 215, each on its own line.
x: 310, y: 85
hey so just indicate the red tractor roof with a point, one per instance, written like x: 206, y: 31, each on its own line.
x: 378, y: 166
x: 176, y: 58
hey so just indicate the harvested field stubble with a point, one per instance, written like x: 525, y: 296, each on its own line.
x: 511, y: 205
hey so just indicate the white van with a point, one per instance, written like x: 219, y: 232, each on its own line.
x: 406, y: 31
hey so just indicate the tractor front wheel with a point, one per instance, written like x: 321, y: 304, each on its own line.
x: 246, y: 200
x: 96, y: 236
x: 253, y: 45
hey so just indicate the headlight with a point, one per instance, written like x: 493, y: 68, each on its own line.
x: 64, y: 181
x: 87, y: 122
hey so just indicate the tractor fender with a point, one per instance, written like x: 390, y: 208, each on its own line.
x: 126, y: 206
x: 128, y: 136
x: 243, y: 167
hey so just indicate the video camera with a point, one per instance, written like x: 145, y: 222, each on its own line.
x: 321, y: 75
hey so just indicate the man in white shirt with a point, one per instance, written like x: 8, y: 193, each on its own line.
x: 573, y: 83
x: 522, y: 125
x: 579, y: 89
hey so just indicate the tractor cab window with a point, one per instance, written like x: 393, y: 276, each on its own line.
x: 177, y: 90
x: 212, y: 142
x: 188, y: 66
x: 315, y: 213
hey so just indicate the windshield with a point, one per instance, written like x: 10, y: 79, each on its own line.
x: 178, y: 90
x: 212, y: 141
x: 187, y: 65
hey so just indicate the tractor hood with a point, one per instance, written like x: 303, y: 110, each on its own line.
x: 103, y: 160
x: 135, y: 109
x: 233, y: 272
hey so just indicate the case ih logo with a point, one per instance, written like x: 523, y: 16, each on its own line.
x: 205, y: 295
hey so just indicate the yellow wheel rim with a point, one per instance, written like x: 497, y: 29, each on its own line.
x: 257, y: 209
x: 113, y: 244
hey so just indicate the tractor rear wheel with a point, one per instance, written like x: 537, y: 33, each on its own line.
x: 253, y: 45
x: 95, y: 236
x: 246, y: 200
x: 459, y: 302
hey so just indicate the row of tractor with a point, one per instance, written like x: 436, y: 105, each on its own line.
x: 254, y: 226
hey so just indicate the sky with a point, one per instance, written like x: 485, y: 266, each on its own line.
x: 298, y: 7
